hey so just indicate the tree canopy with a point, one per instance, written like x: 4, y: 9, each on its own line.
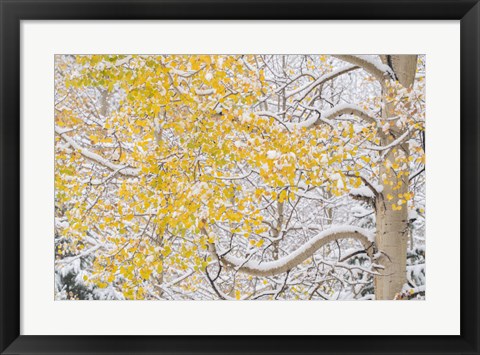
x: 233, y: 176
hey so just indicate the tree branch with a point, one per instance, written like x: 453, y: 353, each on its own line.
x: 323, y: 79
x: 120, y: 169
x: 324, y: 117
x: 379, y: 70
x: 282, y: 265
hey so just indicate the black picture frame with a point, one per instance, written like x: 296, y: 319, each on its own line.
x: 13, y: 12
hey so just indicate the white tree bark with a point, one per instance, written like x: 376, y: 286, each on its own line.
x: 391, y: 237
x: 392, y: 225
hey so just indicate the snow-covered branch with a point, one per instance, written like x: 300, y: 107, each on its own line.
x: 120, y: 169
x: 282, y: 265
x: 323, y: 79
x: 348, y: 109
x: 396, y: 142
x: 83, y: 254
x: 379, y: 70
x: 324, y: 117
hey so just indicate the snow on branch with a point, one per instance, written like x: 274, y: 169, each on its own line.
x: 186, y: 73
x: 287, y: 125
x: 311, y: 122
x: 179, y: 279
x: 362, y: 191
x: 120, y: 169
x: 323, y: 117
x: 323, y: 79
x: 375, y: 67
x: 282, y: 265
x: 205, y: 92
x: 373, y: 189
x: 119, y: 62
x: 396, y: 142
x: 290, y: 82
x: 83, y: 254
x: 348, y: 109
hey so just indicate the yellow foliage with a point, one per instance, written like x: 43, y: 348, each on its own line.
x: 169, y: 174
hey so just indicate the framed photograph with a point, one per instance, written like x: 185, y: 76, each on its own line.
x: 239, y: 177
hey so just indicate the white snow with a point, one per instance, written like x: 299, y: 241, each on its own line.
x: 273, y: 154
x: 345, y: 108
x: 282, y: 262
x: 377, y: 64
x: 61, y: 223
x: 320, y: 80
x: 363, y: 191
x: 120, y: 169
x: 239, y: 144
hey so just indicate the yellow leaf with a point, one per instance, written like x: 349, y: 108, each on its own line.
x: 160, y: 268
x: 145, y: 273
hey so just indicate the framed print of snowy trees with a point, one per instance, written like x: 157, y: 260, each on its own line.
x: 178, y: 186
x: 240, y: 177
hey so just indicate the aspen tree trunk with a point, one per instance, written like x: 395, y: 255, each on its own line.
x: 392, y: 235
x: 391, y: 224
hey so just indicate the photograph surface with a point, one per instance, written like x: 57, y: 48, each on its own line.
x: 240, y: 177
